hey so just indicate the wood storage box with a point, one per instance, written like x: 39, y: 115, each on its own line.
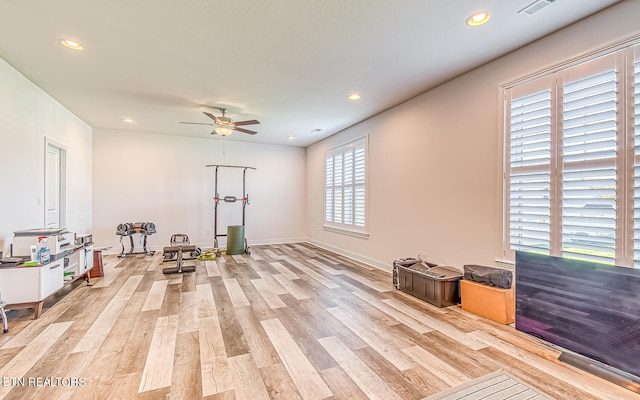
x: 494, y: 303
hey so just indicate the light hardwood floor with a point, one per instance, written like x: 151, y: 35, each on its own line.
x: 286, y: 322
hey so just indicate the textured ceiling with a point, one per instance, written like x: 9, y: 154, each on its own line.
x: 289, y: 63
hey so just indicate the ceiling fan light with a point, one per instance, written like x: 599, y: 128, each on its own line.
x: 223, y: 130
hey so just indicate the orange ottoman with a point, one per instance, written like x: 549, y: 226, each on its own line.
x: 494, y: 303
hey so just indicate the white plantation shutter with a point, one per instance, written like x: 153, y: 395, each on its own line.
x: 589, y: 214
x: 348, y: 188
x: 529, y: 176
x: 589, y: 154
x: 636, y: 169
x: 328, y: 193
x: 338, y: 175
x: 359, y: 185
x: 345, y: 185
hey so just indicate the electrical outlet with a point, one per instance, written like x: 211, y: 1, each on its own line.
x: 422, y: 255
x: 207, y: 232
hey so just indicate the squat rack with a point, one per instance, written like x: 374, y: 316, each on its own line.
x: 229, y: 199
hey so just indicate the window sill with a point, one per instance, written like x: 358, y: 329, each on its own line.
x: 344, y: 231
x: 505, y: 264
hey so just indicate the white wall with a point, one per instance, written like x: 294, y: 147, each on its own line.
x: 142, y: 177
x: 27, y: 116
x: 435, y: 162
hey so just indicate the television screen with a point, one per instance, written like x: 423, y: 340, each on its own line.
x: 589, y: 308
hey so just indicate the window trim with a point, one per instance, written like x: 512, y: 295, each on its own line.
x: 348, y: 232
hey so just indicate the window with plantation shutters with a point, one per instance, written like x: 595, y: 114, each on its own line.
x: 345, y: 186
x: 572, y: 176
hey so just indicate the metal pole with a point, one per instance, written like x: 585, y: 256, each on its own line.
x: 244, y: 193
x: 215, y: 210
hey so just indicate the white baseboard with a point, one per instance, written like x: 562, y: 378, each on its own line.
x: 209, y: 245
x: 354, y: 256
x: 277, y: 241
x: 343, y: 252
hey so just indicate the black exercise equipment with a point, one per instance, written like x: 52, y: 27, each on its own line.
x: 3, y: 316
x: 144, y: 229
x: 229, y: 199
x: 179, y: 246
x: 179, y: 239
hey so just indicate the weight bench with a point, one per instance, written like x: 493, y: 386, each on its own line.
x: 180, y: 246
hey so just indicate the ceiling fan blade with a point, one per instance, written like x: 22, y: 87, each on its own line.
x: 196, y: 123
x: 251, y: 122
x: 244, y: 130
x: 213, y: 117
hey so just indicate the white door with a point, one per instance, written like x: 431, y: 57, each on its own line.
x: 54, y: 187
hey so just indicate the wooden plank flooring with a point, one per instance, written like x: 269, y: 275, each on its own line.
x: 289, y: 321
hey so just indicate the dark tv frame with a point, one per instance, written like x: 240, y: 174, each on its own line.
x: 588, y: 308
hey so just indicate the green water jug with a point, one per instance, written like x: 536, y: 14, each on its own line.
x: 235, y: 239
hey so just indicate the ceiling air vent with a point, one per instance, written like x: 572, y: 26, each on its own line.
x: 535, y: 7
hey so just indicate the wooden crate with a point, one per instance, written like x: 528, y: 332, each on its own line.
x: 494, y: 303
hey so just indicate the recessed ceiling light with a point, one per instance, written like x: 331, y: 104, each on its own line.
x: 291, y: 137
x: 479, y: 18
x: 128, y: 121
x: 71, y: 44
x: 354, y: 96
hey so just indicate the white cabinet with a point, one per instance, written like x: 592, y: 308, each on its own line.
x: 31, y: 284
x: 72, y: 266
x: 85, y: 259
x: 78, y: 263
x: 27, y: 287
x: 51, y: 278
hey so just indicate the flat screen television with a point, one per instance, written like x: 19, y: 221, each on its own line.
x: 589, y: 308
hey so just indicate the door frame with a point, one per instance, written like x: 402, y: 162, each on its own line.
x: 62, y: 190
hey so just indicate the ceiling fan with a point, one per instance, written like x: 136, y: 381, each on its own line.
x: 224, y: 126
